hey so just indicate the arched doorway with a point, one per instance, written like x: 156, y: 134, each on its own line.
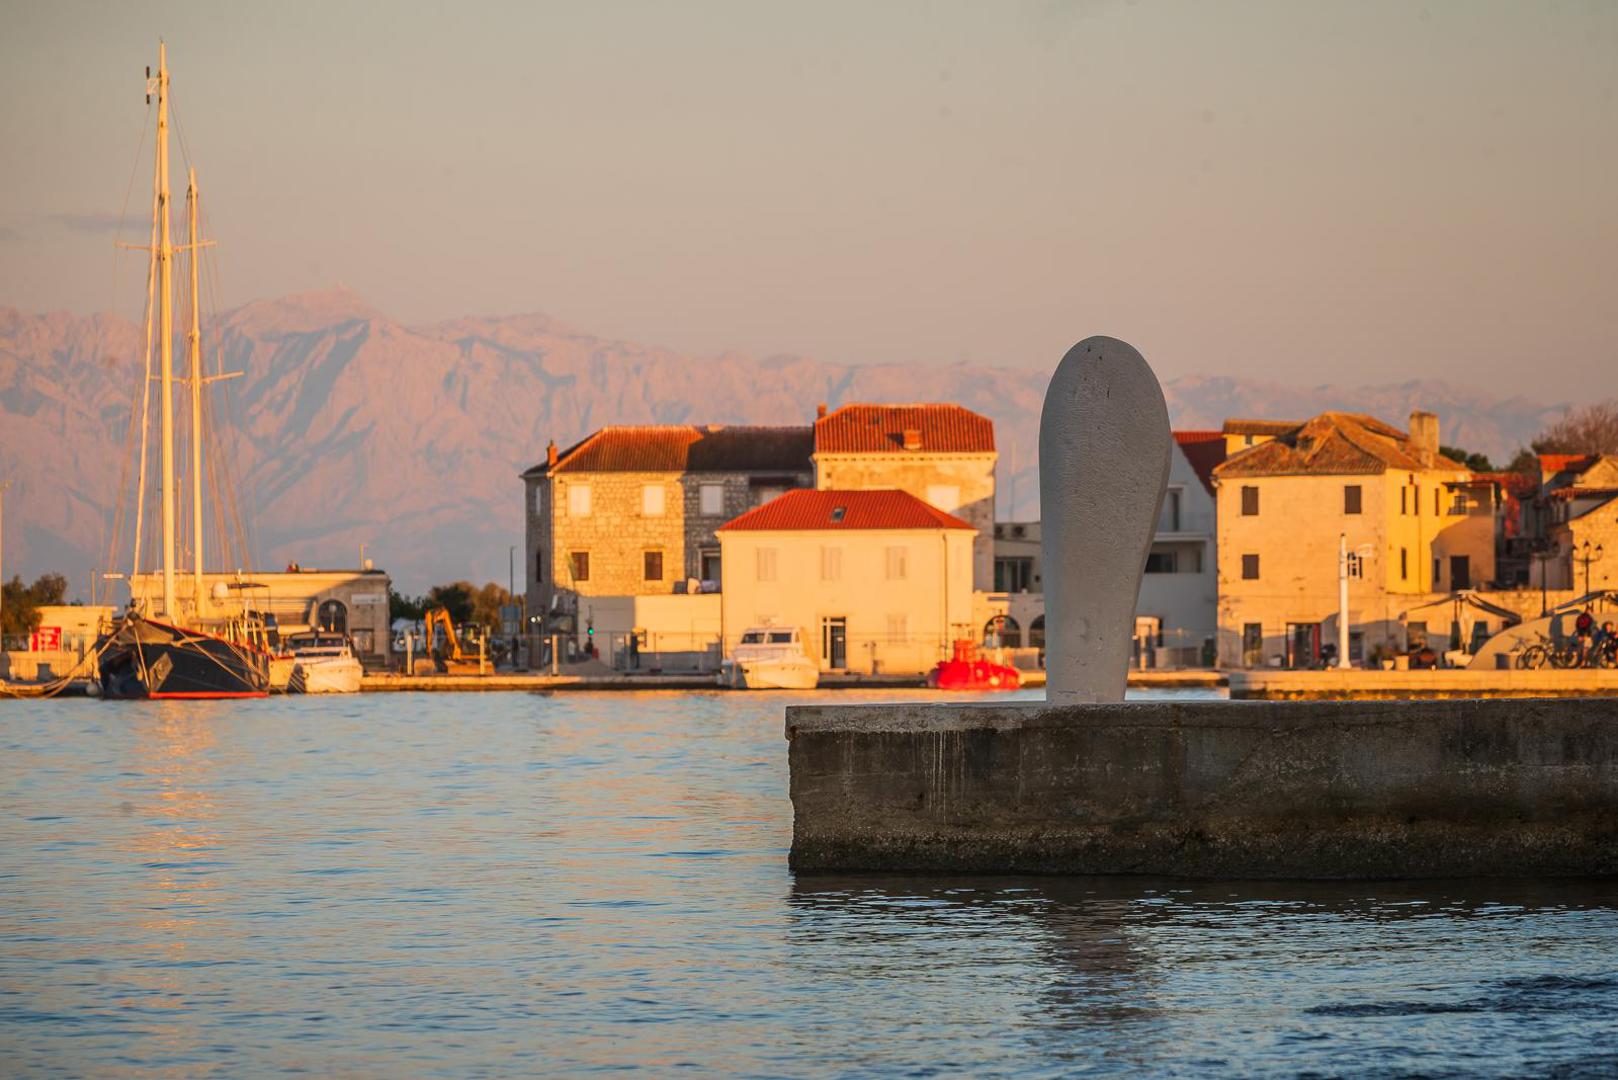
x: 1036, y: 633
x: 332, y: 617
x: 1003, y: 632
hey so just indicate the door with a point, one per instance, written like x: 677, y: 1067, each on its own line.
x: 1460, y: 572
x: 1303, y: 644
x: 1252, y: 644
x: 834, y: 643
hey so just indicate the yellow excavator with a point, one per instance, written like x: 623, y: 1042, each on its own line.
x: 446, y: 653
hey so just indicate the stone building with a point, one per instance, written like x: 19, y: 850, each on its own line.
x: 941, y: 454
x: 632, y: 511
x: 1578, y: 501
x: 877, y: 581
x: 1417, y: 524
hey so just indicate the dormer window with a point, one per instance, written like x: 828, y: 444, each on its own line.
x: 838, y: 513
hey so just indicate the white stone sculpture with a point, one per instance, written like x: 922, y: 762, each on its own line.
x: 1103, y: 466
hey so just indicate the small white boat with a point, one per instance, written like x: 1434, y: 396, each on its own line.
x: 769, y: 658
x: 323, y: 664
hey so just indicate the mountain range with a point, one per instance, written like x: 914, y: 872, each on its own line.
x: 350, y: 428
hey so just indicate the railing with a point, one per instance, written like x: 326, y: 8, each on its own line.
x: 1186, y: 521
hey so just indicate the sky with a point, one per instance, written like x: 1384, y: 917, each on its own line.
x: 1351, y: 192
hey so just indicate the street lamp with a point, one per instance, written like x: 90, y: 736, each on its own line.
x: 1586, y: 555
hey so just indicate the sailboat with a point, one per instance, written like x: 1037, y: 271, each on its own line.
x: 171, y: 653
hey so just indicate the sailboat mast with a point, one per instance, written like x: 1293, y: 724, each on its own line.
x: 165, y: 264
x: 193, y: 211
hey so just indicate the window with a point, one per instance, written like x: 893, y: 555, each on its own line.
x: 539, y: 566
x: 831, y: 564
x: 651, y: 500
x: 711, y: 498
x: 766, y: 493
x: 708, y: 565
x: 1437, y: 569
x: 764, y: 564
x: 1460, y: 571
x: 1014, y: 574
x: 947, y: 497
x: 578, y: 500
x: 539, y: 500
x: 1168, y: 519
x: 1416, y: 634
x: 898, y: 560
x: 1249, y: 501
x: 652, y: 562
x: 898, y: 629
x: 1404, y: 564
x: 1356, y: 646
x: 580, y: 564
x: 1435, y: 500
x: 1249, y: 567
x: 1404, y: 500
x: 1351, y: 498
x: 1164, y: 562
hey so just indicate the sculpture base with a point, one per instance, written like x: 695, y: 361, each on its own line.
x: 1307, y: 789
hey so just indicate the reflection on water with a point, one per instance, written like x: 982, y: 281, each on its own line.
x: 519, y: 884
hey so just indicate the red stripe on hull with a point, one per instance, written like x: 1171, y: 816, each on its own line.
x: 194, y: 695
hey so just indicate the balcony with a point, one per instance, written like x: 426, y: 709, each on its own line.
x: 1174, y: 523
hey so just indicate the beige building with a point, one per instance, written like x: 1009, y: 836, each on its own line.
x: 632, y: 511
x: 350, y: 601
x: 1579, y: 508
x: 944, y: 455
x: 878, y: 581
x: 1418, y: 525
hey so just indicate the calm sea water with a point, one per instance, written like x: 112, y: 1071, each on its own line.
x: 502, y: 884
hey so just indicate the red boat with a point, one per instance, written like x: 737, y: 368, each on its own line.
x: 968, y: 670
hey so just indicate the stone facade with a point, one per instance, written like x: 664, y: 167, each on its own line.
x: 927, y: 476
x: 1424, y: 531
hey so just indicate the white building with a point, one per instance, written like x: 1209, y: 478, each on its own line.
x: 877, y: 581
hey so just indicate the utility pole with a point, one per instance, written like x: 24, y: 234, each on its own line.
x: 3, y: 486
x: 1342, y: 600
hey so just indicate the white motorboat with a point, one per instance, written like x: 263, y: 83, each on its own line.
x: 769, y: 658
x: 323, y: 664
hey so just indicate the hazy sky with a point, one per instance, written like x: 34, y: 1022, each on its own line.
x: 1306, y: 191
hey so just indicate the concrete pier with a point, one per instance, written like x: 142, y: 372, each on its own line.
x: 1210, y: 788
x: 1335, y: 684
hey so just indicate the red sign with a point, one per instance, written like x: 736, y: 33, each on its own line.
x: 46, y: 639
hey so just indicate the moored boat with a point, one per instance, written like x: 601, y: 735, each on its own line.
x: 769, y: 658
x: 323, y: 664
x: 967, y: 669
x: 172, y: 652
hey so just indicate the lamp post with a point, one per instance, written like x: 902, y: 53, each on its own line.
x: 1586, y: 555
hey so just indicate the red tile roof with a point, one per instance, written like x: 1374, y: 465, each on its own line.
x: 804, y: 509
x: 1334, y: 443
x: 1205, y: 450
x: 1261, y: 427
x: 866, y: 429
x: 686, y: 448
x: 1552, y: 464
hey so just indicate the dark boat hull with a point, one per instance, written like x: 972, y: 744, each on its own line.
x: 145, y: 659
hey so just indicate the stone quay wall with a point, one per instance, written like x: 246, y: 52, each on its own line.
x: 1254, y: 789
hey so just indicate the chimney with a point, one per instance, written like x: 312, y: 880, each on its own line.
x: 1424, y: 436
x: 550, y: 454
x: 912, y: 438
x: 820, y: 411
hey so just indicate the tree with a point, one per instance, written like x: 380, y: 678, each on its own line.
x: 487, y: 603
x: 1475, y: 462
x: 19, y: 609
x: 401, y: 606
x: 455, y: 598
x: 1590, y: 430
